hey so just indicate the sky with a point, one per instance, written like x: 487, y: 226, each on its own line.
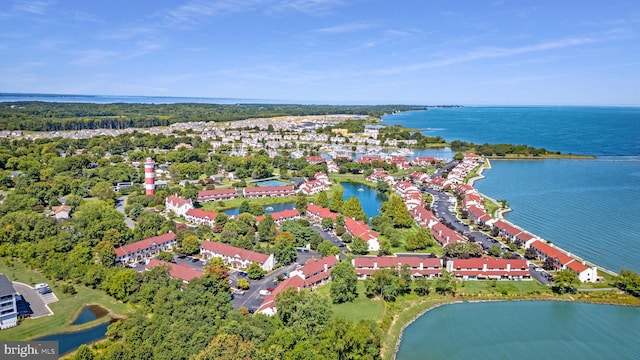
x: 425, y: 52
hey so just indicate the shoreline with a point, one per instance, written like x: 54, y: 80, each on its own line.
x: 500, y: 215
x: 452, y: 302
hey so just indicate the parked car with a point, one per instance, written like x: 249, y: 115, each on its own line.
x: 242, y: 273
x: 270, y: 289
x: 264, y: 292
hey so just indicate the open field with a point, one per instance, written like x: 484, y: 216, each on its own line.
x: 65, y: 310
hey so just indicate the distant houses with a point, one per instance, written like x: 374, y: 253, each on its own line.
x: 216, y: 195
x: 269, y: 191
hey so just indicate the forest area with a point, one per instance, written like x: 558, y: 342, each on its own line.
x: 48, y: 116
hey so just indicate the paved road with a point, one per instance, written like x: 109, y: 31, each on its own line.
x: 252, y: 298
x: 34, y: 301
x: 328, y: 235
x: 120, y: 207
x: 540, y: 275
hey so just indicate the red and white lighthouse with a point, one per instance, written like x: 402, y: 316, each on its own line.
x: 149, y: 177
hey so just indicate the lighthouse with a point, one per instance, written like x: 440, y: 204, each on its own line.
x: 149, y: 177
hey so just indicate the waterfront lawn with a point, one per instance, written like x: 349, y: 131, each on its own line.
x: 65, y: 310
x: 491, y: 206
x: 362, y: 308
x: 435, y: 249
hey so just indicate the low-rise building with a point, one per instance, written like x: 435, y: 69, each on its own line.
x: 236, y: 257
x: 489, y: 269
x: 201, y: 217
x: 420, y: 266
x: 8, y: 305
x: 269, y: 191
x: 146, y: 248
x: 178, y: 271
x: 214, y: 195
x: 178, y: 204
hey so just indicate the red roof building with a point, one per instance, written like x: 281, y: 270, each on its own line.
x: 201, y: 217
x: 236, y: 257
x: 419, y: 265
x: 360, y: 229
x: 269, y: 191
x: 314, y: 160
x: 178, y: 204
x: 317, y: 213
x: 178, y: 271
x: 145, y: 248
x: 489, y: 268
x: 214, y: 195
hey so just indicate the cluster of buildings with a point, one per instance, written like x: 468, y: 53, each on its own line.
x: 319, y: 183
x: 314, y: 273
x: 354, y: 227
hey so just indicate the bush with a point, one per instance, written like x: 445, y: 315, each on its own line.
x: 68, y: 289
x: 243, y: 284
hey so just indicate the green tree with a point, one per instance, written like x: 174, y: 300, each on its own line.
x: 244, y: 207
x: 565, y: 281
x: 353, y: 209
x: 327, y: 223
x: 445, y: 284
x: 494, y: 251
x: 395, y: 210
x: 344, y: 283
x: 327, y: 248
x: 419, y: 240
x: 284, y: 251
x: 303, y: 310
x: 385, y: 247
x: 301, y: 203
x: 359, y: 246
x: 243, y: 284
x: 382, y: 186
x: 463, y: 250
x: 221, y: 219
x: 105, y: 253
x: 164, y: 256
x: 337, y: 201
x: 190, y: 245
x: 459, y: 156
x: 421, y: 286
x: 255, y: 271
x: 103, y: 191
x: 227, y: 347
x: 267, y: 229
x: 322, y: 199
x: 83, y: 353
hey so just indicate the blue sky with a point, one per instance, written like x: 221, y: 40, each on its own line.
x: 327, y: 51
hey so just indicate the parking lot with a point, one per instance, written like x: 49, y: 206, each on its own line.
x: 33, y: 301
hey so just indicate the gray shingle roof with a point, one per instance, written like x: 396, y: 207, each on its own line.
x: 6, y: 286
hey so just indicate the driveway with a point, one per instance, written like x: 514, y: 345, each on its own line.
x: 120, y: 207
x: 540, y: 275
x: 328, y: 235
x: 252, y: 298
x: 34, y: 301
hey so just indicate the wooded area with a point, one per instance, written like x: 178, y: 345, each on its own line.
x: 50, y: 116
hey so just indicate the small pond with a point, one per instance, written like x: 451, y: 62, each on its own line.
x: 90, y: 313
x: 370, y: 198
x: 72, y: 340
x: 268, y: 183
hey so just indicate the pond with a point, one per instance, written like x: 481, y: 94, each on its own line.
x: 70, y: 341
x: 268, y: 209
x: 90, y: 313
x: 370, y: 198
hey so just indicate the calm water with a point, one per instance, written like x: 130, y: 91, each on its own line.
x: 90, y: 313
x: 269, y: 183
x: 523, y: 330
x: 590, y: 208
x: 70, y: 341
x: 587, y: 207
x: 370, y: 199
x: 268, y: 209
x: 601, y: 131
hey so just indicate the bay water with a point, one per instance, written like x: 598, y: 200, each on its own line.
x: 587, y: 207
x: 523, y: 330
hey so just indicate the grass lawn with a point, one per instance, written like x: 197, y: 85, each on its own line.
x: 362, y: 308
x: 491, y: 206
x: 64, y: 311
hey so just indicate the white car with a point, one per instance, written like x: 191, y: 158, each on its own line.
x: 264, y: 292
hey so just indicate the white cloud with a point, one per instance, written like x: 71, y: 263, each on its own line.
x: 33, y: 7
x: 490, y: 53
x: 345, y: 28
